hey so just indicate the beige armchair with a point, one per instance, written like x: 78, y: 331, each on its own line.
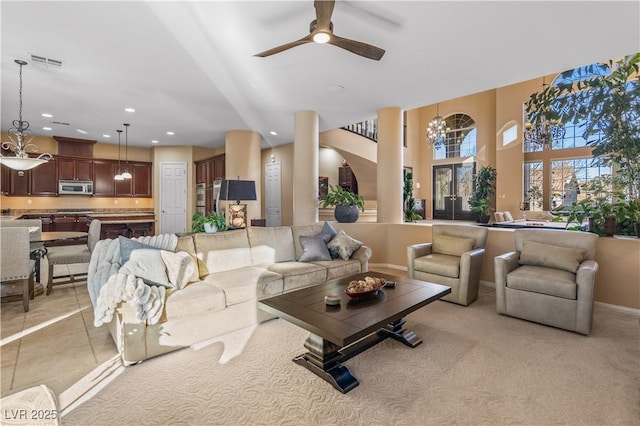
x: 453, y: 258
x: 16, y: 268
x: 549, y: 279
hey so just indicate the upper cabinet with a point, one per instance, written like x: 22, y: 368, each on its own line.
x: 75, y: 169
x: 103, y: 173
x: 40, y: 181
x: 210, y: 169
x: 142, y: 176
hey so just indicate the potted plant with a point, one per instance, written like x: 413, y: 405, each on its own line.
x: 348, y: 205
x: 409, y: 202
x: 212, y: 222
x: 483, y: 188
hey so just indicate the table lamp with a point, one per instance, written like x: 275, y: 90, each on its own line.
x: 238, y: 190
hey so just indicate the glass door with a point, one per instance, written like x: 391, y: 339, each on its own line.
x: 452, y: 187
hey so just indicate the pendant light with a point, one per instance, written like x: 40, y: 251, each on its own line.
x: 126, y: 174
x: 118, y: 176
x: 20, y: 137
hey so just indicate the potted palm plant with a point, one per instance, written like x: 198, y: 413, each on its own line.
x: 347, y: 204
x: 212, y: 222
x: 483, y: 188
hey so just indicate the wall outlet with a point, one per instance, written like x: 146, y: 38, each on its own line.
x: 115, y: 201
x: 137, y: 201
x: 29, y: 201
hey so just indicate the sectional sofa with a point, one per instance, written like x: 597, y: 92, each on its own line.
x: 234, y: 270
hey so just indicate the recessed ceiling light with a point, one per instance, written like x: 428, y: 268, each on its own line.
x: 81, y: 131
x: 170, y: 133
x: 44, y: 114
x: 106, y: 136
x: 154, y: 141
x: 273, y: 133
x: 47, y: 128
x: 130, y: 110
x: 335, y: 88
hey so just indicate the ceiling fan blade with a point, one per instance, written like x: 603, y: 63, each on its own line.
x: 324, y: 10
x: 357, y: 47
x: 282, y: 48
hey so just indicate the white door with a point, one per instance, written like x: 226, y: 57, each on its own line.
x: 173, y: 198
x: 272, y: 194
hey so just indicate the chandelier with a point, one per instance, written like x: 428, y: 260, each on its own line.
x: 126, y: 174
x: 437, y: 129
x: 118, y: 175
x: 20, y: 140
x: 544, y: 131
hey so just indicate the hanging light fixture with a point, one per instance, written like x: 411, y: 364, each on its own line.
x: 544, y: 131
x: 126, y: 174
x: 437, y: 129
x: 17, y: 135
x: 118, y: 176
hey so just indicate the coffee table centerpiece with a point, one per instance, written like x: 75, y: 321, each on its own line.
x: 341, y: 331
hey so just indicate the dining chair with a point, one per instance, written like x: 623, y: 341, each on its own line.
x: 35, y: 232
x: 16, y: 268
x: 72, y: 254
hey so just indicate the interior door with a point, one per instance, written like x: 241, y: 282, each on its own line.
x: 452, y: 188
x: 173, y: 197
x: 272, y: 194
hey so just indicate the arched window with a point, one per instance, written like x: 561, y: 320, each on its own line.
x: 460, y: 140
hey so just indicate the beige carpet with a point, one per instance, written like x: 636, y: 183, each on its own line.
x: 474, y: 367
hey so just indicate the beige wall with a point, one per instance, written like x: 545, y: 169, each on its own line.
x: 618, y: 280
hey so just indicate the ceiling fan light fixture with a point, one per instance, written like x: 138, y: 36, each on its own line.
x: 321, y: 37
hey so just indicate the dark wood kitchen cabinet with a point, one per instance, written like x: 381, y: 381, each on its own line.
x: 44, y: 179
x: 210, y: 169
x: 142, y: 177
x: 5, y: 175
x: 103, y: 173
x: 75, y: 169
x: 219, y: 171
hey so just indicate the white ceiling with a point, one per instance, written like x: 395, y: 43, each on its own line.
x: 188, y: 67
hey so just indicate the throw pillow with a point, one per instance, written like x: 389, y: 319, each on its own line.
x: 148, y: 265
x: 127, y: 246
x: 453, y: 246
x: 539, y: 254
x: 507, y: 216
x: 313, y: 249
x: 499, y: 216
x: 181, y: 268
x: 344, y: 245
x: 328, y: 233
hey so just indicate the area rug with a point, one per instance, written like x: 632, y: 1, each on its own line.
x: 474, y: 367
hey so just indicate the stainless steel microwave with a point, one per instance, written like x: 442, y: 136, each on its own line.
x: 75, y: 187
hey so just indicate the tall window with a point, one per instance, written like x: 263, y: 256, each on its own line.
x: 573, y: 136
x: 533, y: 184
x: 461, y: 139
x: 570, y: 177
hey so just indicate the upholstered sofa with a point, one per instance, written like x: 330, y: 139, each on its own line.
x: 234, y: 270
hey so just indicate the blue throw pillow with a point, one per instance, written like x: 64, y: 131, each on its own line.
x: 327, y: 233
x: 127, y: 246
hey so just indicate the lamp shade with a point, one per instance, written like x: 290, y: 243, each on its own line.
x: 238, y: 190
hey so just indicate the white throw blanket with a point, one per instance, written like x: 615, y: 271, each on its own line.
x: 107, y: 287
x: 148, y: 301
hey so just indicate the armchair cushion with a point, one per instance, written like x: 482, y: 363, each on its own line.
x: 538, y: 254
x: 438, y: 264
x: 539, y: 279
x: 453, y: 246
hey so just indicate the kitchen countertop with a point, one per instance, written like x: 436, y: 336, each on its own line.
x: 127, y: 221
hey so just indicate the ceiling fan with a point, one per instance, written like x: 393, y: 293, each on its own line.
x: 321, y: 31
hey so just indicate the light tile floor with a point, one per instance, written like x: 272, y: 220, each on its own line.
x: 61, y: 345
x: 55, y: 343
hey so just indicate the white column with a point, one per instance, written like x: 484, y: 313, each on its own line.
x: 242, y: 158
x: 306, y: 146
x: 389, y: 172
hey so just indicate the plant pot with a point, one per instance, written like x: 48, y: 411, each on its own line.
x: 483, y: 218
x: 209, y: 228
x: 610, y: 225
x: 346, y: 214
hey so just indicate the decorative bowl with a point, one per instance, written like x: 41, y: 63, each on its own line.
x: 370, y: 290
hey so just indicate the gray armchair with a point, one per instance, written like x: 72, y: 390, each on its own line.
x: 549, y: 279
x: 16, y: 268
x: 453, y: 258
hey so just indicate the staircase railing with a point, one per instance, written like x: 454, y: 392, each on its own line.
x: 367, y: 129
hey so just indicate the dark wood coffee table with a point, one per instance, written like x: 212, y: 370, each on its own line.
x: 338, y: 333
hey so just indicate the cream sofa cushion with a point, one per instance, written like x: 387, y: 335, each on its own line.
x: 200, y: 297
x: 299, y: 274
x: 271, y: 244
x: 222, y: 251
x: 245, y: 284
x: 565, y: 258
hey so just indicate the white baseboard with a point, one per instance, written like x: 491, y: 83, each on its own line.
x: 617, y: 308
